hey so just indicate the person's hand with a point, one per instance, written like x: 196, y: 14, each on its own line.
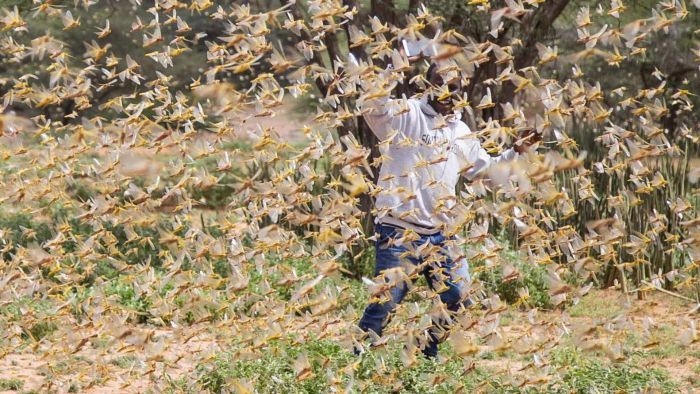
x: 526, y: 140
x: 415, y: 46
x: 416, y: 58
x: 413, y: 59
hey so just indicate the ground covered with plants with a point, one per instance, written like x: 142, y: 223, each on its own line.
x: 187, y: 195
x: 254, y: 344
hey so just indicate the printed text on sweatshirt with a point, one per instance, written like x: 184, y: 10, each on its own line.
x: 423, y: 156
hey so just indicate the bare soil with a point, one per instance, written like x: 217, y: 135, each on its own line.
x: 191, y: 344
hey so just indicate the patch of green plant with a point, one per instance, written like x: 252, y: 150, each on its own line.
x: 362, y: 264
x: 11, y: 384
x: 587, y: 375
x: 308, y: 102
x: 237, y: 145
x: 104, y: 269
x: 221, y: 267
x: 274, y: 276
x: 66, y: 365
x: 80, y: 191
x: 358, y: 295
x: 223, y: 192
x: 18, y: 307
x: 39, y: 308
x: 76, y: 296
x: 696, y: 371
x: 667, y: 345
x: 21, y: 230
x: 40, y: 330
x: 74, y: 387
x: 127, y: 297
x: 531, y: 276
x: 274, y: 371
x: 137, y: 252
x: 595, y: 308
x: 125, y: 362
x: 177, y: 386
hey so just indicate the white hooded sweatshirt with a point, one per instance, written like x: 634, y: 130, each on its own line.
x: 422, y: 162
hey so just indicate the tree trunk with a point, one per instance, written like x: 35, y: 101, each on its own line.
x: 384, y: 10
x: 534, y: 28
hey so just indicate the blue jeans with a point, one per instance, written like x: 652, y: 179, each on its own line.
x: 388, y: 256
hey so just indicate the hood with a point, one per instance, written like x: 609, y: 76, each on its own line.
x: 430, y: 111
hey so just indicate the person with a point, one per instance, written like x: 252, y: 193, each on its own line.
x: 425, y: 148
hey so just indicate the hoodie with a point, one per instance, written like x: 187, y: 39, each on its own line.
x: 423, y: 156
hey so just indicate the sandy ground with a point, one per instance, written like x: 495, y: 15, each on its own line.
x: 195, y: 343
x: 49, y: 373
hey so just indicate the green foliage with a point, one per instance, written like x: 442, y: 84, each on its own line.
x: 363, y: 263
x: 80, y: 191
x: 532, y: 277
x: 137, y: 252
x: 308, y: 103
x: 22, y: 230
x: 40, y: 330
x: 40, y: 308
x: 595, y: 308
x: 668, y: 345
x: 223, y: 192
x: 128, y: 297
x: 586, y: 375
x: 273, y: 372
x: 19, y: 229
x: 22, y: 5
x: 125, y: 362
x: 282, y: 290
x: 103, y: 269
x: 11, y: 384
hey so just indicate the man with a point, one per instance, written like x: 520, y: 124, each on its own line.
x: 426, y: 147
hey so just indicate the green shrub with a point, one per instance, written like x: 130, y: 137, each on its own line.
x: 363, y: 263
x: 532, y: 277
x: 15, y: 310
x: 588, y: 375
x: 125, y: 362
x: 137, y: 252
x: 127, y: 297
x: 40, y: 330
x: 274, y: 371
x: 223, y: 192
x: 11, y: 384
x: 80, y: 191
x: 21, y: 230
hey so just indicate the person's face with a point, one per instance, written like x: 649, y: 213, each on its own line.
x: 441, y: 99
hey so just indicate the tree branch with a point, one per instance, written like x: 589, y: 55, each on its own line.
x: 534, y: 27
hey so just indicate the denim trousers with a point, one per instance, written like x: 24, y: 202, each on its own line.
x: 443, y: 269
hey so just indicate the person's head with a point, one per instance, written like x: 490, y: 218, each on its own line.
x: 442, y: 103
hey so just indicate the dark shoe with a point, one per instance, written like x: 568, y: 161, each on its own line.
x: 431, y: 348
x: 430, y: 351
x: 357, y: 350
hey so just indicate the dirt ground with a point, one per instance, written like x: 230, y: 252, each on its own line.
x: 38, y: 369
x: 45, y: 373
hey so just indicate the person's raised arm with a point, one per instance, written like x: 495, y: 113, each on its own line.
x: 386, y: 116
x: 477, y: 159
